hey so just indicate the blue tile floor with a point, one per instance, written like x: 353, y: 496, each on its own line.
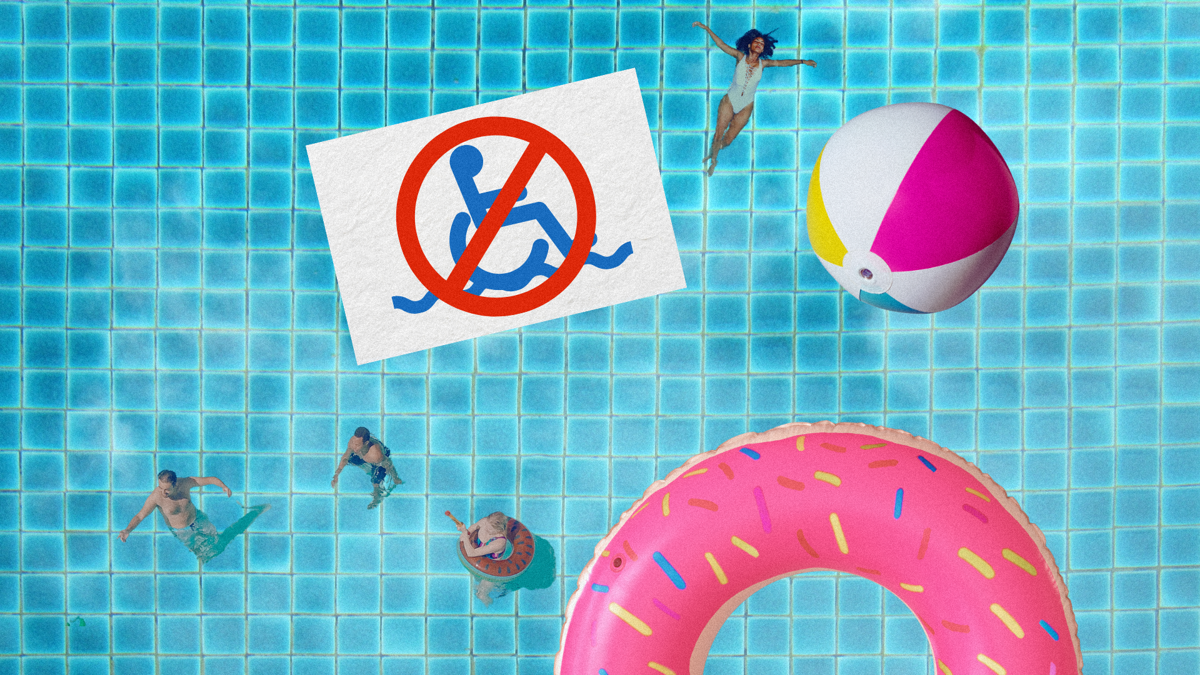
x: 167, y: 300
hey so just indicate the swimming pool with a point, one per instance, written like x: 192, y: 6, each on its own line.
x: 167, y: 300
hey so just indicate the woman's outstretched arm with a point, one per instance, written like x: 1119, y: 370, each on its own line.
x: 790, y: 62
x: 719, y: 42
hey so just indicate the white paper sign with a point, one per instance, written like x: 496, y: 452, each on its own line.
x: 465, y: 223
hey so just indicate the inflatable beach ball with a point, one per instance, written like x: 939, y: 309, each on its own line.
x: 911, y: 207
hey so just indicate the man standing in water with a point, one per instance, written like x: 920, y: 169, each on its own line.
x: 374, y: 457
x: 190, y: 525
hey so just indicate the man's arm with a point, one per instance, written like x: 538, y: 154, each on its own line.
x: 210, y: 480
x: 147, y: 509
x: 341, y: 465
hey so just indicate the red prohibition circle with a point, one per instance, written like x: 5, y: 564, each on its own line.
x: 540, y: 141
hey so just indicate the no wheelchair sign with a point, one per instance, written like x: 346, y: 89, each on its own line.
x: 541, y: 144
x: 497, y: 216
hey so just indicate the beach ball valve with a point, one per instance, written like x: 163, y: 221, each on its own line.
x: 911, y: 207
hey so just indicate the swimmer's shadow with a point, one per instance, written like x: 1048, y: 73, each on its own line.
x: 540, y: 573
x: 238, y: 527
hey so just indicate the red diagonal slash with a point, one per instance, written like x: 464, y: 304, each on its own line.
x: 542, y: 143
x: 496, y: 215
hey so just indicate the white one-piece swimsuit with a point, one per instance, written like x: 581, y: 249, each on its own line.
x: 745, y: 81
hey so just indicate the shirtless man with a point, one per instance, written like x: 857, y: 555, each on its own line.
x: 375, y: 458
x: 173, y: 498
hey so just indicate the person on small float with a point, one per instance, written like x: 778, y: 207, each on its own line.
x: 365, y: 451
x: 753, y: 53
x: 173, y: 498
x: 487, y: 537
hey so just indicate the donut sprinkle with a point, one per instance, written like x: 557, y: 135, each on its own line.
x: 979, y: 494
x: 629, y: 550
x: 975, y: 512
x: 789, y: 483
x: 837, y: 533
x: 1008, y: 620
x: 978, y: 563
x: 624, y: 614
x: 827, y: 477
x: 807, y: 546
x: 764, y: 516
x: 996, y: 667
x: 665, y: 610
x: 669, y: 570
x: 738, y: 542
x: 1017, y: 560
x: 716, y: 568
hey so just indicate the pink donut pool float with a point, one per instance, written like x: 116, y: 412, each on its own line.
x: 899, y: 510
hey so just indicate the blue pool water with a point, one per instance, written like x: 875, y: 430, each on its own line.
x: 167, y: 300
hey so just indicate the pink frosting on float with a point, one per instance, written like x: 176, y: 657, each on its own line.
x: 878, y: 503
x: 957, y: 197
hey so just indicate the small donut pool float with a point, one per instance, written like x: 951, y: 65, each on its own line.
x: 890, y: 507
x: 518, y: 553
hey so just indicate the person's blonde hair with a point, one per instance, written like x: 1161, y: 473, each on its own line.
x: 499, y: 522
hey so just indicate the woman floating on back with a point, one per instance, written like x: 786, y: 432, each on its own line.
x: 753, y: 54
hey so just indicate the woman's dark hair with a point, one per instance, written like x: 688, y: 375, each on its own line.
x: 168, y: 475
x: 363, y: 433
x: 743, y: 43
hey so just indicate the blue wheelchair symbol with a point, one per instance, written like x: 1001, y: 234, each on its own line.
x: 465, y: 163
